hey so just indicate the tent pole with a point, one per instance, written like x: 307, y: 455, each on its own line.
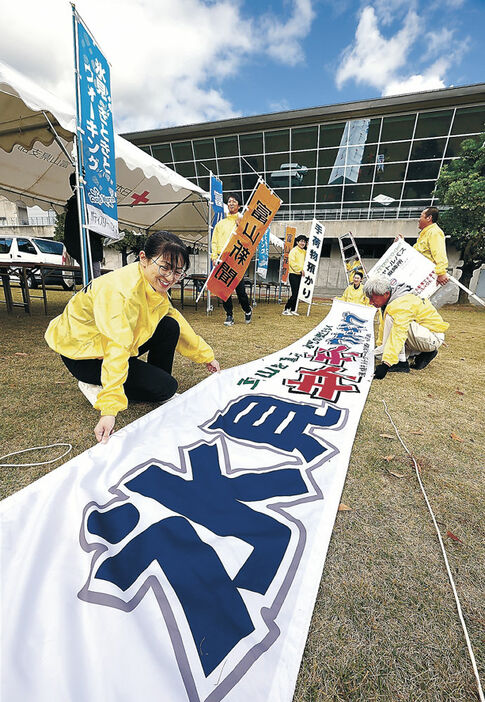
x: 58, y: 139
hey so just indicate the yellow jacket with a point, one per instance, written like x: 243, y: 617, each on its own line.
x: 221, y: 234
x: 431, y: 243
x: 111, y: 319
x: 354, y: 267
x: 296, y: 260
x: 353, y: 295
x: 404, y: 310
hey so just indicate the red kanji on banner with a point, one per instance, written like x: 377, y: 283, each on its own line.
x: 324, y: 383
x: 336, y: 356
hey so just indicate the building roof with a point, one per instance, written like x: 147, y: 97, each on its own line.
x: 432, y: 99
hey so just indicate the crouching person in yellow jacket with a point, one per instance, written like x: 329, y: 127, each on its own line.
x: 410, y: 327
x: 120, y: 316
x: 355, y: 291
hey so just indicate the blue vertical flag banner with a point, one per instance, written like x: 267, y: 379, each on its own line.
x: 185, y: 556
x: 96, y: 150
x: 217, y: 202
x: 263, y: 255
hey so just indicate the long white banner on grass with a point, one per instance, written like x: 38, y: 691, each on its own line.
x: 181, y: 561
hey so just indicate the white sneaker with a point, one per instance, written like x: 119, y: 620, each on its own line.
x: 295, y: 314
x: 286, y: 313
x: 89, y: 391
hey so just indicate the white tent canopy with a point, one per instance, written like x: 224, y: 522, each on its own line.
x: 35, y: 170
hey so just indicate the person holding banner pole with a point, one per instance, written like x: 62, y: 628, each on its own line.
x: 431, y: 243
x: 120, y: 316
x: 296, y: 261
x: 410, y: 327
x: 220, y: 237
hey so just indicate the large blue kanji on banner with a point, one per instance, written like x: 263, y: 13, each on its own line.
x: 96, y: 149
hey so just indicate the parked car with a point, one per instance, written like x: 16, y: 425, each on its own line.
x: 37, y: 250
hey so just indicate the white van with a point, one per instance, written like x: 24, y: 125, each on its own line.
x: 30, y: 249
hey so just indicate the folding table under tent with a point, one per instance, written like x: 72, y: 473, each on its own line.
x: 35, y: 168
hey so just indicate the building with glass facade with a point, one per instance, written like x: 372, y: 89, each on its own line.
x: 369, y: 160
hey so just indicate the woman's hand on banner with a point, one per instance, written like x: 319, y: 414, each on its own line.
x: 213, y: 366
x: 104, y: 428
x: 399, y: 236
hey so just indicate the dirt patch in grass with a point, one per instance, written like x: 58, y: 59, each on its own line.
x: 385, y: 625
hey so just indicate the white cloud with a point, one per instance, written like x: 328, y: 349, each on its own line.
x: 284, y: 37
x: 169, y: 59
x: 372, y: 58
x: 398, y: 64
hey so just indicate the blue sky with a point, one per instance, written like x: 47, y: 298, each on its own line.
x: 184, y: 61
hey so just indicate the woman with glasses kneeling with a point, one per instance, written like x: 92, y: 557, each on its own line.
x: 120, y: 316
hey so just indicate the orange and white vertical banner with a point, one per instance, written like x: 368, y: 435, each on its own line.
x: 239, y: 250
x: 312, y: 259
x: 289, y: 241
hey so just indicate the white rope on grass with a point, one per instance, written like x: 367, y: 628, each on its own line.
x: 448, y: 570
x: 34, y: 448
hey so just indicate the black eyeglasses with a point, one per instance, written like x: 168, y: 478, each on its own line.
x: 166, y: 268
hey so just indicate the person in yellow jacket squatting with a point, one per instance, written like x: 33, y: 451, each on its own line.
x: 296, y: 261
x: 118, y: 317
x: 220, y: 237
x: 355, y: 291
x: 410, y: 327
x: 431, y: 243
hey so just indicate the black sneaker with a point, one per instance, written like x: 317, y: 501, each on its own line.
x: 401, y: 367
x: 229, y: 321
x: 423, y: 359
x: 247, y: 316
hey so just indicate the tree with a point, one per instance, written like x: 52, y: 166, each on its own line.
x: 461, y: 186
x: 59, y: 226
x: 130, y: 244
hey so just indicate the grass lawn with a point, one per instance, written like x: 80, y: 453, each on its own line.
x: 385, y: 625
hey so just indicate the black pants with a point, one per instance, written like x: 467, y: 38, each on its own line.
x: 146, y: 382
x: 241, y: 296
x: 295, y: 281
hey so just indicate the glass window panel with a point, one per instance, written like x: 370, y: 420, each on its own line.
x: 162, y: 153
x: 301, y: 195
x: 228, y: 165
x: 432, y: 124
x: 204, y: 183
x: 329, y: 194
x: 370, y: 152
x: 356, y: 192
x: 249, y: 181
x: 249, y: 164
x: 275, y: 161
x: 389, y: 189
x: 304, y: 138
x: 454, y: 145
x: 421, y: 170
x: 283, y: 193
x: 365, y: 174
x: 331, y: 134
x: 390, y: 171
x: 469, y: 120
x: 251, y: 143
x: 226, y: 146
x: 182, y: 151
x: 416, y: 205
x: 429, y: 148
x: 187, y: 170
x: 278, y: 140
x: 204, y: 148
x: 327, y: 157
x: 356, y: 155
x: 323, y: 175
x: 231, y: 183
x: 418, y: 190
x: 203, y: 167
x: 374, y: 129
x: 394, y: 152
x: 396, y: 128
x: 302, y: 178
x: 305, y: 158
x: 359, y: 132
x: 146, y: 149
x: 5, y: 244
